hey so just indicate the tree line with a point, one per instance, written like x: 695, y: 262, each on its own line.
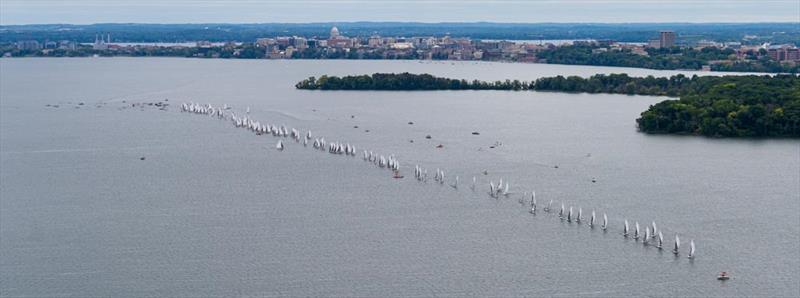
x: 404, y: 81
x: 667, y: 58
x: 717, y: 106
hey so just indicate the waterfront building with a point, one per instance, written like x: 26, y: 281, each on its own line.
x: 28, y: 45
x: 667, y: 39
x: 375, y: 41
x: 783, y: 53
x: 100, y: 44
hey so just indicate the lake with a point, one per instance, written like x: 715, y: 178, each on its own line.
x: 215, y: 210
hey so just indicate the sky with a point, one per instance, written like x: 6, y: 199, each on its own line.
x: 14, y: 12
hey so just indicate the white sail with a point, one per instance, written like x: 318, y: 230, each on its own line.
x: 561, y: 212
x: 654, y: 229
x: 569, y: 215
x: 660, y: 239
x: 580, y: 214
x: 548, y: 206
x: 605, y: 221
x: 646, y: 236
x: 279, y: 146
x: 626, y: 229
x: 691, y: 249
x: 473, y: 183
x: 591, y: 221
x: 636, y: 231
x: 677, y: 247
x: 533, y: 202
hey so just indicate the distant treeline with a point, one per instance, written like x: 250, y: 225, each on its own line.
x: 667, y: 58
x: 720, y: 106
x: 404, y: 81
x: 776, y: 33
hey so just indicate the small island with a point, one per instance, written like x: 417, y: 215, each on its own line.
x: 715, y: 106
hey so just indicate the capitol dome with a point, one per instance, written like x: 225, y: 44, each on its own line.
x: 334, y: 32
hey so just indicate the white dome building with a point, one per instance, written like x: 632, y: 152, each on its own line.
x: 334, y: 32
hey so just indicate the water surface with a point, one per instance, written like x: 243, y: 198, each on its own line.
x: 215, y: 210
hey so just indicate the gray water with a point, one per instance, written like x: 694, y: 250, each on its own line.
x: 216, y: 211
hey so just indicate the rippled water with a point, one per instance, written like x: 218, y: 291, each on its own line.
x: 215, y: 210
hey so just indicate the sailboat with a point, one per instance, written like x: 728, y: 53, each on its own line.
x: 626, y: 229
x: 654, y: 229
x: 561, y: 212
x: 491, y: 188
x: 691, y: 249
x: 580, y: 215
x: 591, y: 220
x: 547, y: 209
x: 660, y: 240
x: 569, y: 215
x: 636, y: 231
x: 605, y: 222
x: 533, y: 202
x: 646, y: 236
x: 455, y: 185
x: 677, y: 247
x: 279, y: 146
x: 473, y: 183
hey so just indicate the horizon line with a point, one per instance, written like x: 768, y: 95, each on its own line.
x: 404, y: 22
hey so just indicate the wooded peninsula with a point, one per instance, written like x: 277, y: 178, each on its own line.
x: 716, y: 106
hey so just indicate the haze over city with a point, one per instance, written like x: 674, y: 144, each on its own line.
x: 303, y: 11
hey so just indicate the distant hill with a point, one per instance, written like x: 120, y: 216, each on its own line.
x: 755, y: 33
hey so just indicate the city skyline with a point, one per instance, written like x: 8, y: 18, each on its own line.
x: 15, y: 12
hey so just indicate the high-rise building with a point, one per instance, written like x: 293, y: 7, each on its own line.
x: 29, y: 45
x: 667, y: 39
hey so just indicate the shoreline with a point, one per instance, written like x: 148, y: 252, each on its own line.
x: 692, y: 71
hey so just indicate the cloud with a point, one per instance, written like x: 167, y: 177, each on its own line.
x: 252, y: 11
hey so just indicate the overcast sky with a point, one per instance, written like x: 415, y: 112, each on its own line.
x: 301, y: 11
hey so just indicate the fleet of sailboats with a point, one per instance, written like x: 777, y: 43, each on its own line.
x: 502, y: 188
